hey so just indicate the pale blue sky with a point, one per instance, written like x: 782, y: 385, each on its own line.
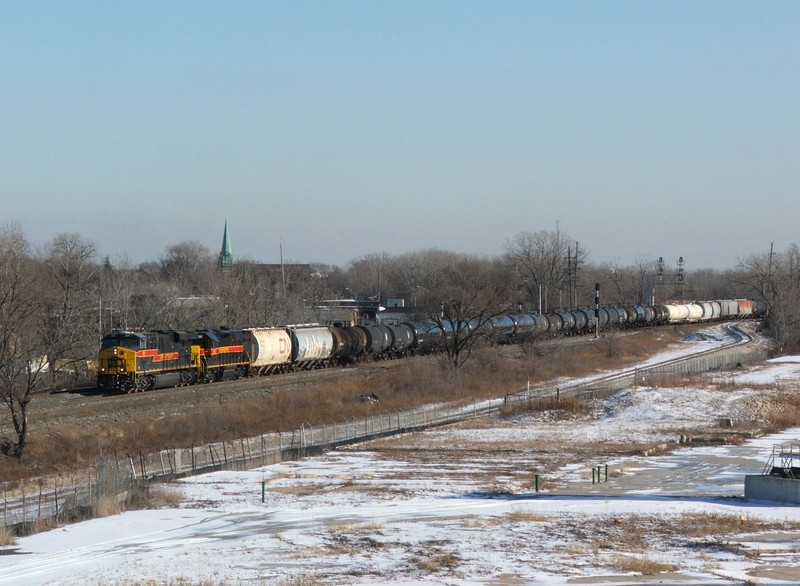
x: 641, y: 129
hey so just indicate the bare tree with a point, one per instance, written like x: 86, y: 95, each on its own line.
x: 189, y: 265
x: 73, y: 304
x: 117, y: 285
x: 463, y: 293
x: 628, y: 285
x: 776, y: 279
x: 539, y: 261
x: 22, y: 351
x: 367, y: 275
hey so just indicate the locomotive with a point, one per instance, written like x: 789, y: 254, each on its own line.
x: 141, y: 361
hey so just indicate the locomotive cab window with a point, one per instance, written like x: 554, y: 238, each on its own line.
x: 131, y: 341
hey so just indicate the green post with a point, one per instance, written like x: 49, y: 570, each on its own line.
x: 593, y: 472
x: 263, y: 490
x: 606, y: 472
x: 537, y: 482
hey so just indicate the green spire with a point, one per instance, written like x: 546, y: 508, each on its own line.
x: 226, y: 256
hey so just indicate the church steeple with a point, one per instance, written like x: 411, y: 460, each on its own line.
x: 225, y: 255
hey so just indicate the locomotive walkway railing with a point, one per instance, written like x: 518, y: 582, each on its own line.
x: 114, y: 479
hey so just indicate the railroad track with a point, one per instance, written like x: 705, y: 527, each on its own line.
x: 701, y: 361
x: 89, y: 403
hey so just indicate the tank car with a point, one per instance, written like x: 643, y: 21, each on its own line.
x: 427, y: 336
x: 568, y: 322
x: 379, y: 338
x: 555, y: 324
x: 402, y: 338
x: 312, y: 346
x: 501, y: 329
x: 695, y: 312
x: 662, y: 315
x: 584, y: 319
x: 349, y: 344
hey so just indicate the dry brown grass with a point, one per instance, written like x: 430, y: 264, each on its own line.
x: 106, y: 507
x: 644, y: 565
x: 519, y: 516
x: 436, y: 561
x: 312, y: 399
x: 562, y: 408
x: 7, y: 537
x: 784, y: 411
x: 160, y: 497
x: 712, y: 524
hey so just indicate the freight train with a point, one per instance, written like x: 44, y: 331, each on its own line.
x: 140, y: 361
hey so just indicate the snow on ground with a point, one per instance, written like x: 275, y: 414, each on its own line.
x: 458, y: 506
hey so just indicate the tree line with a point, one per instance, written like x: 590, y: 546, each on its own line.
x: 56, y: 302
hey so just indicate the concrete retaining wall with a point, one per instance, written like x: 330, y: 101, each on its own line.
x: 772, y: 488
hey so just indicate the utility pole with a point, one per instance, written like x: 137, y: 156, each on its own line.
x: 596, y: 310
x: 572, y: 276
x: 575, y: 279
x: 770, y: 286
x: 569, y: 275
